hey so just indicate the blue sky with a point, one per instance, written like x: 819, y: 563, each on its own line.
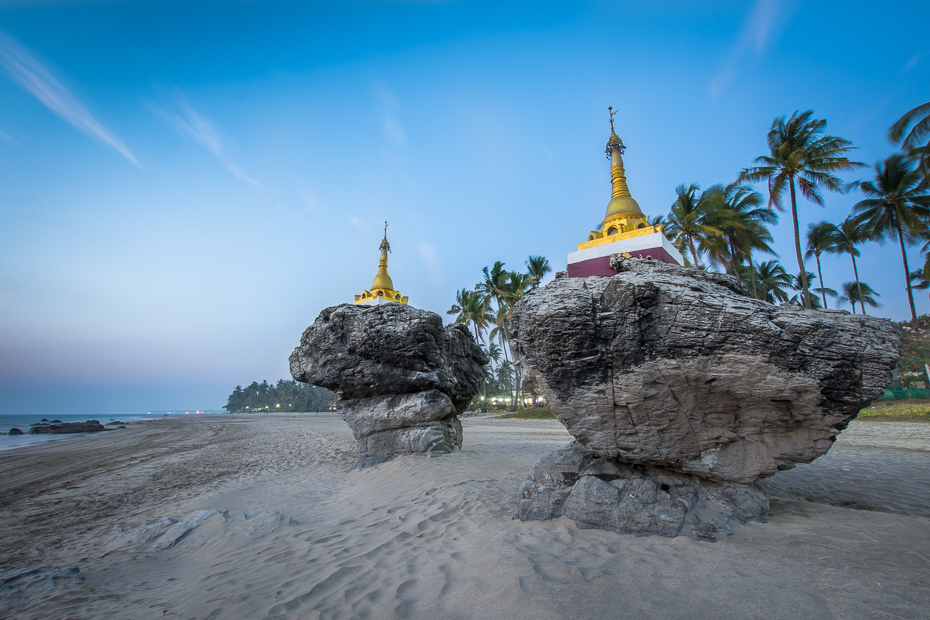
x: 186, y: 185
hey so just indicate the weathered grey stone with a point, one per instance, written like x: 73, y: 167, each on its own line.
x: 387, y: 426
x: 677, y: 367
x: 402, y: 377
x: 682, y: 391
x: 633, y: 499
x: 364, y: 351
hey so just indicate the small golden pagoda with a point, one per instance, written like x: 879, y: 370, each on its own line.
x: 382, y: 288
x: 624, y: 219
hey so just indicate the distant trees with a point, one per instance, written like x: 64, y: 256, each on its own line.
x: 285, y: 395
x: 723, y: 225
x: 487, y: 309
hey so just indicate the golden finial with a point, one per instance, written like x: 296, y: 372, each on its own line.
x: 384, y: 242
x: 614, y: 141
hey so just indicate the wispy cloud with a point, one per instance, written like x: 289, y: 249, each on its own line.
x: 757, y: 33
x: 5, y: 137
x: 35, y: 78
x: 431, y: 258
x: 914, y: 61
x: 394, y: 130
x: 189, y: 122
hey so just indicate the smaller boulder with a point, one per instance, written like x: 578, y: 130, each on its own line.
x: 16, y: 431
x: 388, y: 426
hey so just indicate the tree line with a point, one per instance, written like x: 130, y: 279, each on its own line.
x: 486, y: 309
x: 285, y: 395
x: 726, y: 226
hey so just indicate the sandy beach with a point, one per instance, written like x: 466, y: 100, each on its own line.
x: 287, y: 529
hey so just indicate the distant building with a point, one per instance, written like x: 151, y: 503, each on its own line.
x: 625, y: 229
x: 382, y: 288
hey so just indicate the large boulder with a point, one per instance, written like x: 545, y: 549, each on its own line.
x: 402, y: 377
x: 363, y: 351
x: 681, y: 369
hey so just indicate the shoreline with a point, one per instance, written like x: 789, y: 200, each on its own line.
x: 426, y: 538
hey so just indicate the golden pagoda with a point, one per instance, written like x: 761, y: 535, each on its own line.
x: 624, y: 218
x: 382, y: 288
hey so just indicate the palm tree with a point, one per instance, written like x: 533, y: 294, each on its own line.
x: 820, y: 238
x: 918, y: 120
x: 800, y: 156
x: 895, y: 204
x: 815, y: 301
x: 537, y: 267
x: 858, y: 291
x: 687, y: 221
x: 848, y: 234
x: 513, y: 288
x: 743, y: 224
x: 471, y: 309
x: 773, y: 280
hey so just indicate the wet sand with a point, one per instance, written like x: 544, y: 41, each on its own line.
x: 430, y: 538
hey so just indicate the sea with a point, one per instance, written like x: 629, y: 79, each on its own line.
x: 24, y: 421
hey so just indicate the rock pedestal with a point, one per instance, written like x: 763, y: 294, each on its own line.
x: 402, y: 377
x: 675, y: 377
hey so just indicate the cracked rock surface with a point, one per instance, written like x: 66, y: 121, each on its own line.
x: 666, y: 367
x: 402, y: 377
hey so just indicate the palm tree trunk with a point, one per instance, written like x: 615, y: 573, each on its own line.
x: 823, y: 293
x: 733, y: 262
x: 752, y: 273
x: 907, y: 273
x: 693, y: 254
x: 858, y: 286
x: 797, y: 246
x: 484, y: 380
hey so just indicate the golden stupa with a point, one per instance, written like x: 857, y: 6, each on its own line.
x: 382, y: 288
x: 624, y: 218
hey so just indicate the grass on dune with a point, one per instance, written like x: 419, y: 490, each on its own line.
x: 897, y: 411
x: 540, y: 413
x: 888, y: 411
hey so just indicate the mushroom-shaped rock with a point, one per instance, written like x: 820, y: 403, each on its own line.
x: 680, y: 369
x: 402, y: 377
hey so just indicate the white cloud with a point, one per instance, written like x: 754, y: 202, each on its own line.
x: 756, y: 34
x: 35, y: 78
x: 188, y: 121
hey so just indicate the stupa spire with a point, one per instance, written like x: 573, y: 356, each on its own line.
x: 625, y: 229
x: 382, y: 287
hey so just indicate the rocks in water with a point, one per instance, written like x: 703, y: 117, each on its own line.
x: 681, y: 371
x: 402, y: 377
x: 57, y: 427
x: 15, y: 431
